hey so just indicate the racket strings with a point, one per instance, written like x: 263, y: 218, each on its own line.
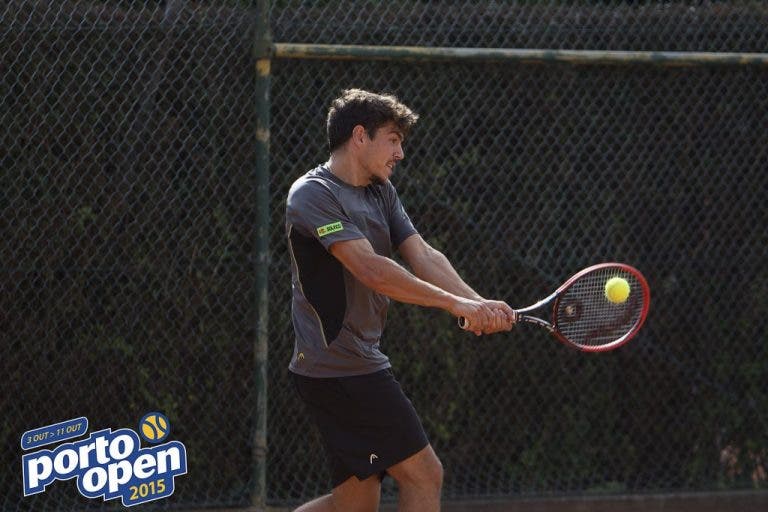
x: 586, y: 317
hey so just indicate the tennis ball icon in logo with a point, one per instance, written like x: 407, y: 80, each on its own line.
x: 154, y: 427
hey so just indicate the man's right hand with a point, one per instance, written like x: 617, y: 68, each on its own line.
x: 484, y: 316
x: 505, y: 316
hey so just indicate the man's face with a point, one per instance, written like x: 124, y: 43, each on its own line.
x: 382, y: 152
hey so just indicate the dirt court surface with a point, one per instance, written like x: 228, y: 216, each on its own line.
x: 756, y: 501
x: 704, y: 503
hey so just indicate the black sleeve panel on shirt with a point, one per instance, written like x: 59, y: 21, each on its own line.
x: 322, y: 280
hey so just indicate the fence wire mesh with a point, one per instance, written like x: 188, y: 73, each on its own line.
x: 523, y: 175
x: 588, y: 25
x: 127, y: 207
x: 127, y: 214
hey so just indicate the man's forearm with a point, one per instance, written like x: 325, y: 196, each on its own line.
x: 389, y: 278
x: 433, y: 267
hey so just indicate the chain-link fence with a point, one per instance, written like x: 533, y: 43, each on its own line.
x: 127, y: 206
x: 127, y: 197
x: 523, y: 174
x: 581, y: 24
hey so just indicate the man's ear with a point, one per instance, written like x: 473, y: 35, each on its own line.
x: 359, y: 134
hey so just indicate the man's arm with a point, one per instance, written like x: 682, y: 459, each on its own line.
x: 387, y: 277
x: 432, y: 266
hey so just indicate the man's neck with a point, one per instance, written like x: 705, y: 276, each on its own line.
x: 347, y: 170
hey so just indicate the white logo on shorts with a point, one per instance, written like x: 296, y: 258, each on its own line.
x: 373, y: 456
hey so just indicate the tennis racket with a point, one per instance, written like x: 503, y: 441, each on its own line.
x: 581, y: 314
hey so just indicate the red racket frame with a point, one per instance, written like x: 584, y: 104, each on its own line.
x: 522, y: 316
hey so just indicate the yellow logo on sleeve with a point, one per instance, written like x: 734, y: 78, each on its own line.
x: 333, y: 227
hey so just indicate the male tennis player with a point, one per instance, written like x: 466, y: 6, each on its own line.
x: 343, y: 220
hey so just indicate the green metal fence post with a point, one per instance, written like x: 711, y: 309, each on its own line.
x: 262, y: 53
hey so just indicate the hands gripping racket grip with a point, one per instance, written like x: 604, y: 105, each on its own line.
x: 464, y: 323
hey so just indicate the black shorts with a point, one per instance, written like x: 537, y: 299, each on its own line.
x: 366, y: 422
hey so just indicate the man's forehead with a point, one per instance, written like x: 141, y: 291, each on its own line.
x: 392, y: 128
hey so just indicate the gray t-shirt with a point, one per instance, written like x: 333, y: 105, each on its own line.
x: 338, y: 321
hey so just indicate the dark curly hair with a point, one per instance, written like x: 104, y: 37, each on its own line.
x: 370, y: 110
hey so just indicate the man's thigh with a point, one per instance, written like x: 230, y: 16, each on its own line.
x: 356, y: 495
x: 422, y: 467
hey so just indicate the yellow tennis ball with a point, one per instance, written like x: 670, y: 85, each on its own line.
x: 617, y: 290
